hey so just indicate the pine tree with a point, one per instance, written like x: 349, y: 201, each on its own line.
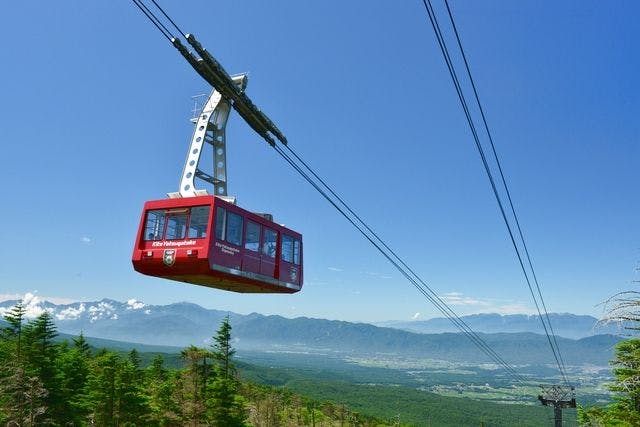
x: 131, y: 403
x: 134, y: 358
x: 114, y: 395
x: 100, y: 397
x: 35, y: 397
x: 73, y: 368
x: 13, y: 378
x: 626, y: 408
x: 222, y: 350
x: 26, y: 400
x: 623, y: 307
x: 12, y: 334
x: 226, y: 406
x: 82, y: 345
x: 193, y: 384
x: 626, y: 371
x: 41, y: 355
x: 156, y: 370
x: 160, y: 389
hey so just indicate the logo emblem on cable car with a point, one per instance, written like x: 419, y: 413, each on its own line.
x: 294, y: 273
x: 169, y: 257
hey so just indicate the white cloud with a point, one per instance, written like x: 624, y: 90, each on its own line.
x: 456, y: 298
x: 416, y: 316
x: 71, y: 313
x: 33, y: 305
x: 485, y: 305
x: 515, y: 308
x: 134, y: 304
x: 9, y: 297
x: 55, y: 300
x: 59, y: 300
x: 147, y: 311
x: 103, y: 309
x: 376, y: 275
x: 86, y: 239
x: 334, y: 269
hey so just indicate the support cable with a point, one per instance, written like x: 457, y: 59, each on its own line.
x: 169, y: 18
x: 418, y: 283
x: 154, y: 20
x: 416, y: 280
x: 445, y: 52
x: 504, y: 181
x: 461, y: 97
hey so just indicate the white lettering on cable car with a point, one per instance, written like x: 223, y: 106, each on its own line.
x: 173, y: 243
x: 227, y: 249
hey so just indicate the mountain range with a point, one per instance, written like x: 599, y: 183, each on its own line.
x: 564, y: 325
x: 183, y: 324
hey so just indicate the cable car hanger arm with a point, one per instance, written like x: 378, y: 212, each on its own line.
x: 211, y: 71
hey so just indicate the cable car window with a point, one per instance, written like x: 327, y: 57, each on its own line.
x: 221, y: 221
x: 287, y: 248
x: 296, y: 252
x: 176, y: 226
x: 234, y: 229
x: 270, y: 242
x: 252, y: 239
x: 199, y: 222
x: 154, y: 225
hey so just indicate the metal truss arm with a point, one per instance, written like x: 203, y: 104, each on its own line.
x: 210, y: 129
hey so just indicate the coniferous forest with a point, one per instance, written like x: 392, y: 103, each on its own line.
x: 47, y: 382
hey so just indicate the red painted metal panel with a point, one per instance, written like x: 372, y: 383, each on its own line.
x: 251, y: 262
x: 211, y: 262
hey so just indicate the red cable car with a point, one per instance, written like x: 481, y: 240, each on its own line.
x: 207, y: 240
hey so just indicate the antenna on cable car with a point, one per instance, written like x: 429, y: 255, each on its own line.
x: 210, y: 127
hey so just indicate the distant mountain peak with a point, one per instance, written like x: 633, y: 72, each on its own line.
x: 564, y: 324
x: 184, y: 323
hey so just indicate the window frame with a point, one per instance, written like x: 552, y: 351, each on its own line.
x: 240, y: 229
x: 206, y: 222
x: 246, y: 235
x: 221, y: 213
x: 163, y: 222
x: 168, y: 217
x: 297, y: 250
x: 286, y: 239
x: 263, y: 242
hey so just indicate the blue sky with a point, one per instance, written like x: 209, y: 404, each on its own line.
x: 95, y: 107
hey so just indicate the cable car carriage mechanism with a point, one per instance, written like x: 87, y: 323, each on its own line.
x: 208, y: 240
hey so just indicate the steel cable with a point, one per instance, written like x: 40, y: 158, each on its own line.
x: 154, y: 19
x: 504, y: 181
x: 398, y: 263
x: 450, y: 66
